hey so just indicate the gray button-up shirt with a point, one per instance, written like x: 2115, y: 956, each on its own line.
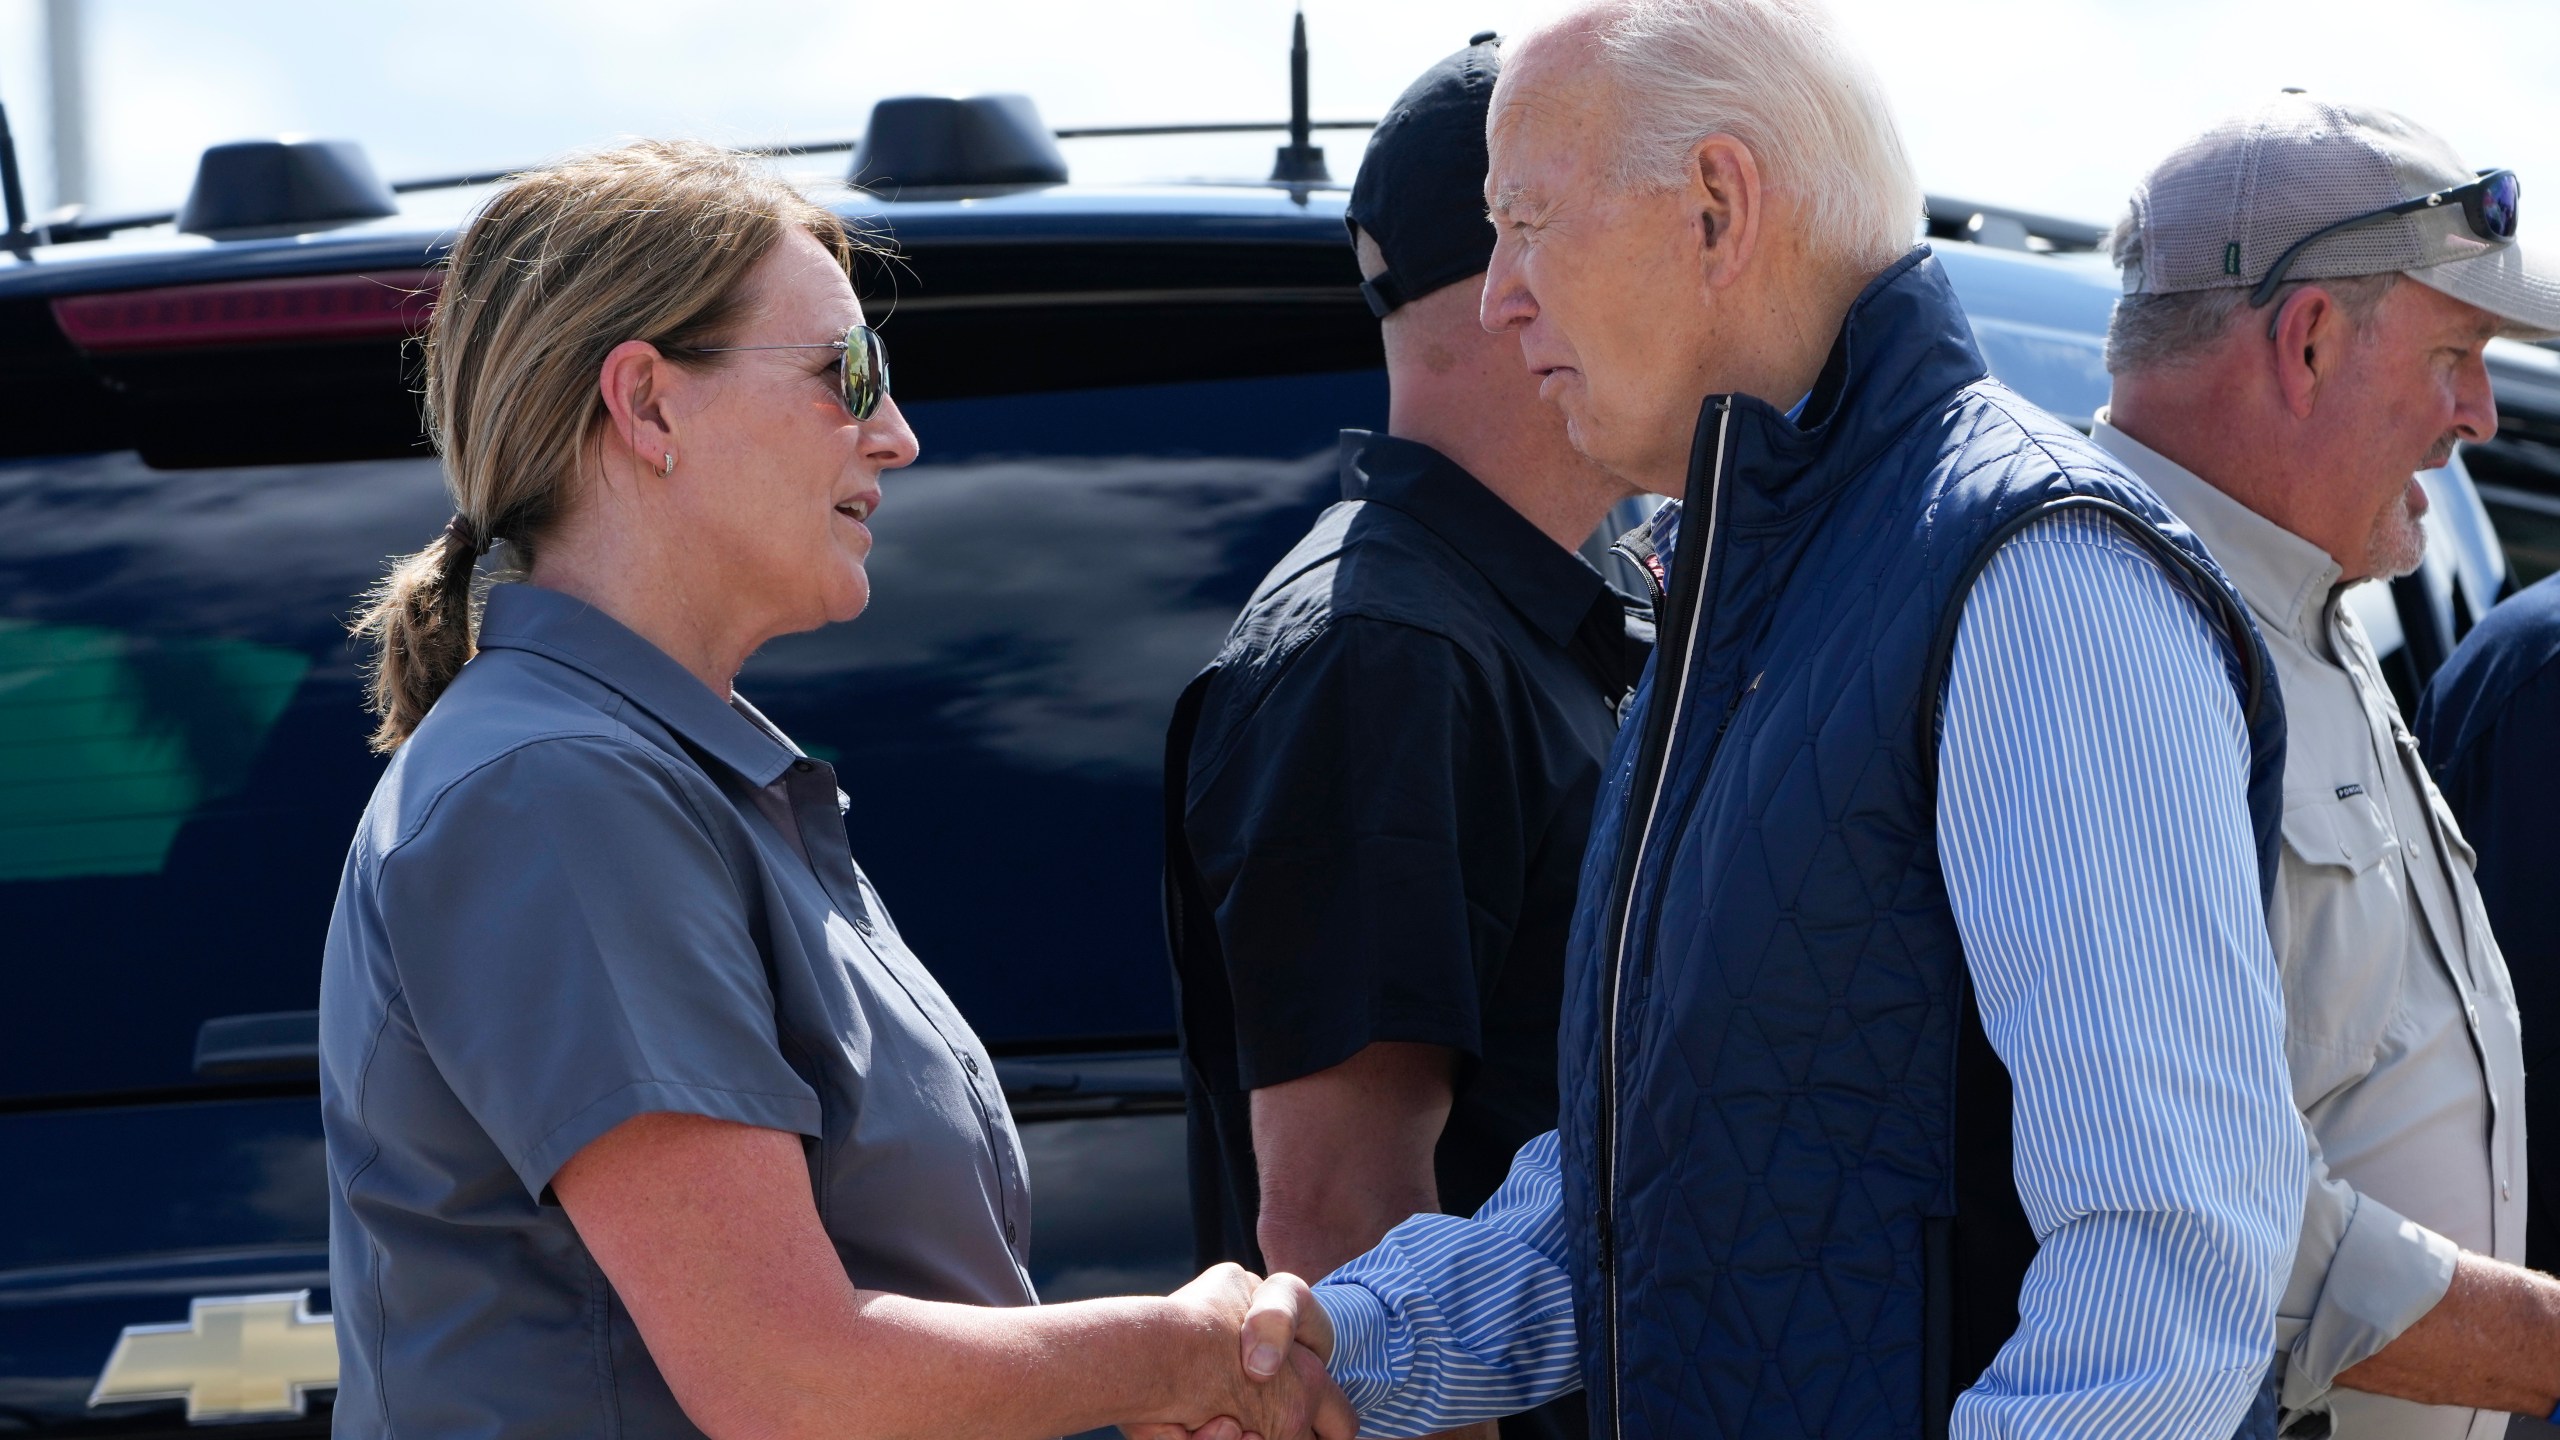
x: 587, y: 889
x: 2400, y: 1028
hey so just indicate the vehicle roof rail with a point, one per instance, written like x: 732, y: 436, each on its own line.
x: 2003, y: 227
x: 73, y: 224
x: 465, y: 179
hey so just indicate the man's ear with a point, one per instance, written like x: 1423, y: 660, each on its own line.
x: 633, y: 383
x: 1726, y: 199
x: 2310, y: 339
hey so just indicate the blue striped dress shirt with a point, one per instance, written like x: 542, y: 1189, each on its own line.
x: 2095, y: 836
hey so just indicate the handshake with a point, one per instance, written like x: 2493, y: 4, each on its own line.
x: 1259, y: 1372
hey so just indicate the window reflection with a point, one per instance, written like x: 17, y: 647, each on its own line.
x: 2063, y: 371
x: 1060, y: 604
x: 108, y: 742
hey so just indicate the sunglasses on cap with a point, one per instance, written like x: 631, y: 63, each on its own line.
x: 2488, y: 204
x: 862, y: 365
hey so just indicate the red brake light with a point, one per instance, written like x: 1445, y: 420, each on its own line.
x: 381, y: 305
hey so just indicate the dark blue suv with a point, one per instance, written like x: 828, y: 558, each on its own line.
x: 1128, y: 402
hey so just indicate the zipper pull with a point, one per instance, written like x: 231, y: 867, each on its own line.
x: 1733, y: 707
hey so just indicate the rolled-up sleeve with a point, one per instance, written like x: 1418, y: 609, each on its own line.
x: 574, y: 951
x: 2362, y: 1274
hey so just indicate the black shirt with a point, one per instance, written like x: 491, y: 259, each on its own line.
x: 1377, y: 801
x: 2490, y: 729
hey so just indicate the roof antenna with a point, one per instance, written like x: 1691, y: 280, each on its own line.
x: 1299, y: 163
x: 18, y: 239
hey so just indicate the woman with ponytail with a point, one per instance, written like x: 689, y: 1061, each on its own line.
x: 642, y: 1120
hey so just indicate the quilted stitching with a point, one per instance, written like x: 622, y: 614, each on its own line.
x: 1788, y: 1030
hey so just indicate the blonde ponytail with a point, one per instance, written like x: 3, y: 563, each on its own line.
x: 421, y: 621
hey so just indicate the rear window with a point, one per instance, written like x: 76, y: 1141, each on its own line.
x: 1048, y: 578
x: 182, y: 751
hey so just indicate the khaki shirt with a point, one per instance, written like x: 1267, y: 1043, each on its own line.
x: 2400, y: 1023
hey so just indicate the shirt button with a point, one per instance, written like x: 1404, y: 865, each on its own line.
x: 803, y: 766
x: 969, y: 1063
x: 1008, y: 1232
x: 2504, y: 1193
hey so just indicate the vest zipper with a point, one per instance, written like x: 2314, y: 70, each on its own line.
x: 1688, y: 572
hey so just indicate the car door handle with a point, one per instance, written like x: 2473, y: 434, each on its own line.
x: 282, y: 1042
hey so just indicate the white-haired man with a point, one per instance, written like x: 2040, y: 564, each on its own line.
x: 2309, y: 287
x: 1923, y: 1047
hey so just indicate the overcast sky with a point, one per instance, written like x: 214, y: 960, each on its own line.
x: 2051, y: 105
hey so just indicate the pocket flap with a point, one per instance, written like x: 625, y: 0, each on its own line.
x: 2345, y: 832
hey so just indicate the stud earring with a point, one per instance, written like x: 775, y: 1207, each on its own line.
x: 667, y: 466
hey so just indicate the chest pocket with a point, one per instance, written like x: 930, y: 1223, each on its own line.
x: 2340, y: 926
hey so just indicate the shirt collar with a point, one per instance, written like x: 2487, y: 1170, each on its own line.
x: 2285, y: 578
x: 1549, y: 585
x: 566, y: 629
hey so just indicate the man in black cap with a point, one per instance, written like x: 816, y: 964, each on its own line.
x: 1378, y: 793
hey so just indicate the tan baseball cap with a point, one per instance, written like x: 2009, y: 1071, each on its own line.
x: 2224, y: 209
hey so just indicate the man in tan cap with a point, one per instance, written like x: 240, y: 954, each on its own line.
x: 2308, y: 288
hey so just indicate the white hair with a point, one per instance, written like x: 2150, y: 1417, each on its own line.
x: 1778, y: 76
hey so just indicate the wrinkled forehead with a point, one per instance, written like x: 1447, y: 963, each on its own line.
x: 800, y: 282
x: 1549, y: 122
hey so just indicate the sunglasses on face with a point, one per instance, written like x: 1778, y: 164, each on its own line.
x: 862, y: 366
x: 2488, y: 205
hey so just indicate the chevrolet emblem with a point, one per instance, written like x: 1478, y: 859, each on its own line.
x: 237, y: 1357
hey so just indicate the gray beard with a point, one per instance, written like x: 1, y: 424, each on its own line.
x: 2397, y: 547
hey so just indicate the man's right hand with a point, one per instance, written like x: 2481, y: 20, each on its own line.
x: 1286, y: 1397
x: 1284, y: 1312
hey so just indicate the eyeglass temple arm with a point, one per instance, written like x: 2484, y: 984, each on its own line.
x: 731, y: 349
x: 2266, y: 289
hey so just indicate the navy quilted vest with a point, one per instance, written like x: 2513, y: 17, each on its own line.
x: 1795, y: 1160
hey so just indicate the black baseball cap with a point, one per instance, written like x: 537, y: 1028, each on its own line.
x: 1420, y: 191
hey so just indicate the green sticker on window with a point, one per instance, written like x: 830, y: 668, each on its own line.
x: 109, y: 741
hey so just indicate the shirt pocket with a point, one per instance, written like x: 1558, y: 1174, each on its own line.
x: 2340, y: 926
